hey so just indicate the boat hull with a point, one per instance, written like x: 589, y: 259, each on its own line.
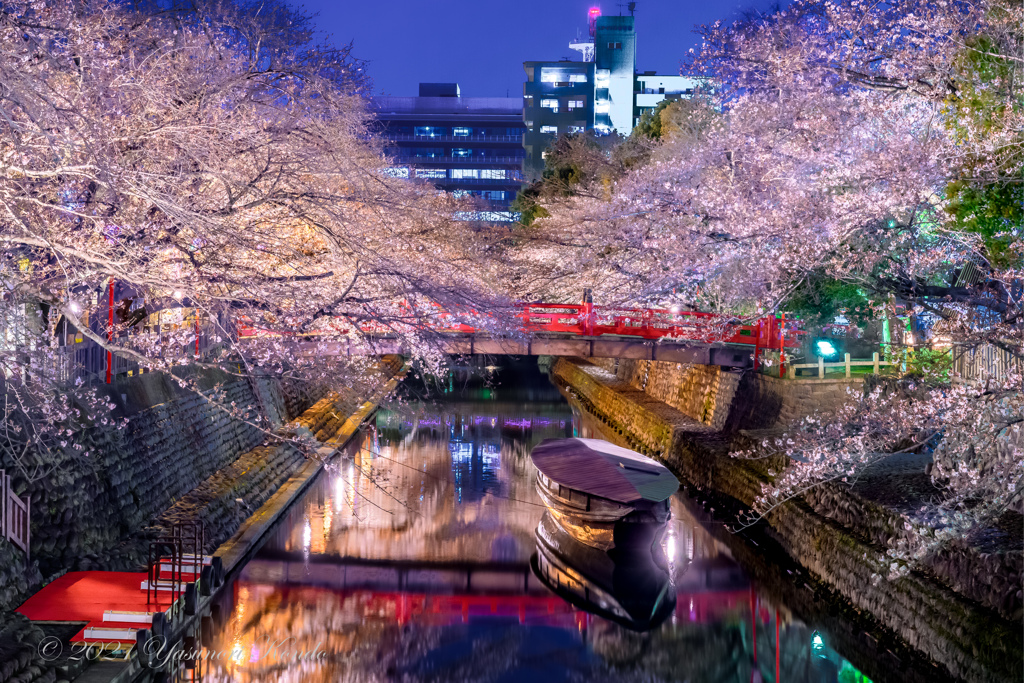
x: 601, y: 523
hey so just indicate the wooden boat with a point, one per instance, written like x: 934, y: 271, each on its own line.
x: 603, y: 495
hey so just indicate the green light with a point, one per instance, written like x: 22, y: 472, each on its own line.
x: 825, y: 348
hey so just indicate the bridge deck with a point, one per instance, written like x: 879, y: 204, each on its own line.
x: 725, y: 355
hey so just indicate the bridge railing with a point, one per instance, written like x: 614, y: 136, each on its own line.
x: 593, y: 321
x: 588, y: 320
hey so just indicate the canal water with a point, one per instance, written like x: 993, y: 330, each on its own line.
x: 424, y: 554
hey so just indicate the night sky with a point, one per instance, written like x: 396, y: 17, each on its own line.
x: 482, y: 44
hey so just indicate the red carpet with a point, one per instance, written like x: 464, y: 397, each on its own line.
x: 84, y: 596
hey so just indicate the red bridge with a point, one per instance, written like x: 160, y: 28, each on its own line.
x: 586, y: 330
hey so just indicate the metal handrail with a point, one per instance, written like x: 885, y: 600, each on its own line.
x: 480, y: 181
x: 454, y: 138
x: 412, y: 160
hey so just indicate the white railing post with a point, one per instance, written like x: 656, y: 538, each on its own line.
x: 874, y: 361
x: 821, y: 368
x: 5, y: 513
x: 15, y: 515
x: 847, y: 366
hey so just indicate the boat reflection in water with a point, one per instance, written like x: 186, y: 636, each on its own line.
x: 603, y: 495
x: 632, y: 588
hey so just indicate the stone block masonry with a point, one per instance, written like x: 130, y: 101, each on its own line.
x: 231, y: 494
x: 702, y: 392
x: 764, y: 402
x: 96, y: 513
x: 970, y: 640
x: 729, y: 400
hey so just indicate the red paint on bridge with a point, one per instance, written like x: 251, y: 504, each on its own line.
x: 588, y: 320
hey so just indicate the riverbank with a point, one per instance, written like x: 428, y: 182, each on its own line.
x: 970, y: 640
x: 237, y: 502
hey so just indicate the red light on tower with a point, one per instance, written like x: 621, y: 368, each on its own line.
x: 595, y: 12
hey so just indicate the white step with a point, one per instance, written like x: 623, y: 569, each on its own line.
x: 128, y: 617
x: 185, y: 568
x: 165, y: 585
x: 124, y: 635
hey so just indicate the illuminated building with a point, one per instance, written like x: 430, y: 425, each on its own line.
x: 464, y: 145
x: 602, y: 92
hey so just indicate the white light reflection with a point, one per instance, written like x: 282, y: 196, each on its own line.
x: 339, y: 491
x: 671, y: 549
x: 307, y: 538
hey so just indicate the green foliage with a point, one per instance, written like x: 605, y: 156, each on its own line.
x: 689, y: 119
x: 992, y: 211
x: 650, y: 125
x: 572, y: 161
x: 929, y: 364
x: 982, y: 201
x: 526, y: 203
x: 577, y: 162
x: 819, y: 299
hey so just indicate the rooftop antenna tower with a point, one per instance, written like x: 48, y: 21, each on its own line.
x: 587, y: 46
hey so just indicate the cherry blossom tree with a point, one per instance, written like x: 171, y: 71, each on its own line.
x: 207, y: 156
x: 878, y: 145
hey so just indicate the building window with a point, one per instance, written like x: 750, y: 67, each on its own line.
x: 491, y: 216
x: 549, y: 129
x: 428, y: 152
x: 465, y: 173
x: 529, y: 124
x: 492, y: 174
x: 550, y: 104
x: 462, y: 152
x: 577, y: 129
x: 614, y: 46
x: 430, y: 131
x: 528, y: 100
x: 397, y: 172
x: 431, y: 173
x: 575, y: 104
x: 459, y: 194
x: 561, y: 76
x: 493, y: 195
x: 460, y: 132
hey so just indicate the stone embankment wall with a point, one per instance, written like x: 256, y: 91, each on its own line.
x: 765, y: 402
x: 729, y: 400
x: 970, y: 640
x: 703, y: 392
x: 99, y: 512
x: 231, y: 494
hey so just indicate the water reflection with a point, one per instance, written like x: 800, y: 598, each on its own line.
x: 632, y: 588
x: 410, y: 560
x: 432, y: 487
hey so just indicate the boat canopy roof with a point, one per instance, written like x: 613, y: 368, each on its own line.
x: 604, y: 470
